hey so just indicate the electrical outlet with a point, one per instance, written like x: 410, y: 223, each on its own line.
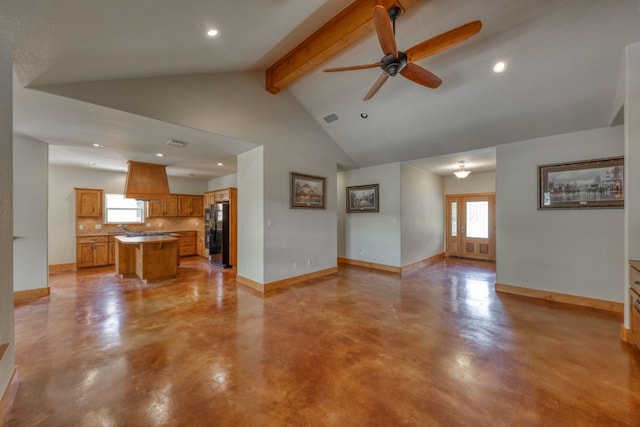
x: 268, y: 223
x: 148, y: 225
x: 361, y: 251
x: 81, y: 227
x: 295, y: 264
x: 98, y: 226
x: 309, y: 261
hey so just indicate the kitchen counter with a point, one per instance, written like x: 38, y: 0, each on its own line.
x: 149, y: 257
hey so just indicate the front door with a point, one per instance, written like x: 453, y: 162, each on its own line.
x: 471, y: 226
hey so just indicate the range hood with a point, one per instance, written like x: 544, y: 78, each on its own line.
x: 146, y: 181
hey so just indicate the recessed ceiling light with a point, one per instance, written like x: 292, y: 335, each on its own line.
x: 92, y: 163
x: 97, y: 145
x: 499, y: 67
x: 364, y: 115
x: 212, y: 32
x: 220, y: 164
x: 159, y: 154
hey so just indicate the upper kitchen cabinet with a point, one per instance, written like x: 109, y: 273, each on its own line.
x: 168, y: 207
x: 177, y: 205
x: 88, y: 202
x: 190, y: 205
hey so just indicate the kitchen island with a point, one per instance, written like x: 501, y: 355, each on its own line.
x: 149, y: 257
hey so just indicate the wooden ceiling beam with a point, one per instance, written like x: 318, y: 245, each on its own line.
x: 349, y: 26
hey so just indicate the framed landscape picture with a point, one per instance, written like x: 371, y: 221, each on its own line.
x: 307, y: 191
x: 586, y: 184
x: 363, y: 198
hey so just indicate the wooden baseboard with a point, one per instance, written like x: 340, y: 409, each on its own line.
x: 62, y: 268
x: 626, y: 335
x: 31, y: 293
x: 423, y: 263
x: 284, y: 282
x: 372, y: 265
x: 614, y: 307
x: 9, y: 396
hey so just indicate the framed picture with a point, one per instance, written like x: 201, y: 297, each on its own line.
x: 587, y: 184
x: 307, y: 191
x: 363, y: 198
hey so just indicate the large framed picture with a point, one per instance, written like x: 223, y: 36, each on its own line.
x: 363, y: 198
x: 589, y: 184
x: 307, y: 191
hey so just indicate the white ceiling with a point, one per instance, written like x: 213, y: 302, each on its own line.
x: 565, y: 59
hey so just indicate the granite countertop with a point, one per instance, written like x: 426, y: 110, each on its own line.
x: 145, y: 239
x: 122, y: 233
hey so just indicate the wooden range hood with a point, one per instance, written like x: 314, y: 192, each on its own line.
x: 146, y: 181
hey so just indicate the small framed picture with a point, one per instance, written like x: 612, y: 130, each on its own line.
x: 307, y: 191
x: 586, y: 184
x: 363, y: 198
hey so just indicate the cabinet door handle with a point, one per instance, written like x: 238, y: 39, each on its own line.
x: 636, y: 305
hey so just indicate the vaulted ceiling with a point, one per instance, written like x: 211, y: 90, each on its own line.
x: 564, y: 74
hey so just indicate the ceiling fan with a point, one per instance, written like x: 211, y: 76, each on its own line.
x: 395, y: 61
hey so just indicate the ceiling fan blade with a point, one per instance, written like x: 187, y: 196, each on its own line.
x: 421, y: 76
x: 353, y: 67
x: 377, y: 85
x: 384, y: 29
x: 443, y: 41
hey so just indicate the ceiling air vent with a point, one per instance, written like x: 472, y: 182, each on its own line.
x: 176, y: 143
x: 330, y: 118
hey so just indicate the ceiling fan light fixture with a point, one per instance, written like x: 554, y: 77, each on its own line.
x: 462, y: 173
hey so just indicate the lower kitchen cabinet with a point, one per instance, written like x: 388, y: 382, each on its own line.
x: 188, y: 244
x: 92, y: 251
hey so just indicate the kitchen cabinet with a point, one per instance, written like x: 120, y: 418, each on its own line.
x: 200, y: 249
x: 634, y: 299
x: 88, y: 202
x: 92, y: 251
x: 177, y: 205
x: 190, y: 205
x: 112, y: 250
x: 166, y: 207
x: 187, y: 245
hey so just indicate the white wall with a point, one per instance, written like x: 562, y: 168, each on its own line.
x: 422, y: 214
x: 227, y: 181
x: 250, y: 215
x: 30, y: 200
x: 632, y: 160
x: 576, y: 252
x: 632, y: 150
x: 373, y: 236
x: 292, y: 141
x: 7, y: 363
x: 484, y: 182
x: 63, y: 180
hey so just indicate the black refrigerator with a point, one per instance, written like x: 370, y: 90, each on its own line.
x: 219, y: 234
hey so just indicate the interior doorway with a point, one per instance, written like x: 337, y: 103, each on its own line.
x: 471, y: 226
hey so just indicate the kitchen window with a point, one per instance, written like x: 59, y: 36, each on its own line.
x: 119, y: 210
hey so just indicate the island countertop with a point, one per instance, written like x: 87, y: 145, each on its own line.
x: 134, y: 240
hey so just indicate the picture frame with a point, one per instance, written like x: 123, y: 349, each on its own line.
x: 588, y: 184
x: 307, y: 191
x: 363, y: 198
